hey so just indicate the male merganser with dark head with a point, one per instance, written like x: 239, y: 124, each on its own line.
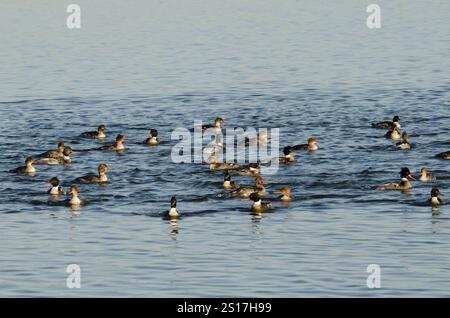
x: 251, y: 170
x: 245, y: 192
x: 258, y: 205
x: 173, y: 212
x: 288, y: 156
x: 388, y: 124
x: 218, y: 122
x: 393, y: 133
x: 56, y: 189
x: 285, y: 194
x: 311, y: 145
x: 227, y: 183
x: 425, y: 177
x: 28, y: 168
x: 403, y: 185
x: 404, y: 144
x: 444, y: 155
x: 435, y: 199
x: 100, y: 178
x: 152, y: 137
x: 99, y: 134
x: 117, y: 146
x: 54, y: 153
x: 75, y: 201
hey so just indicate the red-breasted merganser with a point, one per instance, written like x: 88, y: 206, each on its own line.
x: 404, y: 144
x: 75, y: 200
x: 214, y: 148
x: 310, y: 146
x: 214, y: 165
x: 64, y: 159
x: 218, y: 122
x: 117, y: 146
x: 245, y: 192
x: 100, y: 178
x: 393, y: 133
x: 173, y: 212
x: 285, y: 194
x: 262, y: 139
x: 99, y: 134
x: 227, y: 183
x: 152, y: 137
x: 435, y: 200
x: 388, y: 124
x: 425, y: 177
x: 56, y: 189
x: 28, y: 168
x: 252, y: 170
x: 444, y: 155
x: 54, y: 153
x: 288, y: 156
x: 403, y: 185
x: 258, y: 205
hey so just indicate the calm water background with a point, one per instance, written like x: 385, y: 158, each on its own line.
x: 310, y: 68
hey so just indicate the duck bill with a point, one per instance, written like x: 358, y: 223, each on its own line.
x: 277, y: 192
x: 412, y: 177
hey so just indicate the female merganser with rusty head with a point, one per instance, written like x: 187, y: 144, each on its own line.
x: 54, y: 153
x: 245, y: 192
x: 56, y: 189
x: 218, y: 122
x: 227, y: 183
x: 75, y: 200
x: 444, y: 155
x: 288, y: 156
x: 403, y: 185
x: 117, y: 146
x: 388, y: 124
x: 173, y: 212
x: 258, y: 205
x: 310, y: 146
x: 152, y: 137
x: 100, y: 178
x: 285, y: 194
x: 99, y: 134
x: 435, y: 200
x: 404, y: 144
x: 28, y: 168
x: 393, y: 133
x: 425, y: 177
x: 214, y: 165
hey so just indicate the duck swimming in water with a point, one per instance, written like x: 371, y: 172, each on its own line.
x: 218, y: 122
x: 99, y: 134
x: 252, y: 170
x: 214, y: 148
x: 214, y: 165
x: 425, y: 177
x: 173, y: 212
x: 100, y: 178
x: 28, y: 168
x: 310, y: 146
x: 393, y: 133
x: 444, y: 155
x: 245, y: 192
x: 258, y: 205
x: 435, y: 200
x: 285, y: 194
x: 75, y: 201
x: 117, y: 146
x: 388, y: 124
x: 227, y: 183
x: 56, y: 189
x: 65, y: 159
x: 404, y: 144
x: 152, y: 137
x: 56, y: 154
x: 403, y: 185
x: 288, y: 156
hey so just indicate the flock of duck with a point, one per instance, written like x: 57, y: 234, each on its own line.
x: 62, y: 156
